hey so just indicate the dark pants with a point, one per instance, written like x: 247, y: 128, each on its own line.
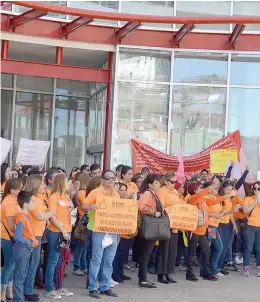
x: 167, y: 255
x: 204, y: 245
x: 145, y: 253
x: 181, y: 250
x: 153, y: 259
x: 21, y: 255
x: 136, y: 249
x: 119, y: 261
x: 227, y: 234
x: 238, y: 242
x: 252, y: 239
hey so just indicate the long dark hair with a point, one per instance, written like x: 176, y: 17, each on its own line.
x: 3, y: 170
x: 124, y: 170
x: 150, y: 179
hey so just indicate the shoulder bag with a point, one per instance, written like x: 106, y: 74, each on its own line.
x: 155, y: 228
x: 81, y: 231
x: 245, y: 220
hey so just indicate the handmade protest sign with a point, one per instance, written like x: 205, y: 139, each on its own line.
x: 5, y: 148
x: 220, y: 158
x: 32, y: 152
x: 183, y: 217
x: 116, y: 215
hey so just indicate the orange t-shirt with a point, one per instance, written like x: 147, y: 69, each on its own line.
x: 238, y: 215
x: 131, y: 189
x: 28, y: 232
x: 9, y: 207
x: 39, y: 208
x: 81, y: 198
x: 254, y: 219
x: 215, y: 209
x: 226, y: 207
x: 62, y: 206
x: 168, y: 197
x: 147, y: 203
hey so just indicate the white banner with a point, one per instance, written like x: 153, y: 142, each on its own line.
x: 5, y: 148
x: 32, y: 152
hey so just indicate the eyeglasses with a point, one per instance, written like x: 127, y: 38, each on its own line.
x: 109, y: 178
x: 173, y: 181
x: 258, y: 189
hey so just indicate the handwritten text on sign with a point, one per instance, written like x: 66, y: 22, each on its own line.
x: 183, y: 217
x: 116, y: 215
x: 220, y: 158
x: 32, y: 152
x: 5, y: 148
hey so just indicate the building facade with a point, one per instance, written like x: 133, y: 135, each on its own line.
x: 167, y: 97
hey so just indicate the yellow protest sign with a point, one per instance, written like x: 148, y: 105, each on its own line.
x: 183, y: 217
x: 219, y: 159
x: 116, y: 215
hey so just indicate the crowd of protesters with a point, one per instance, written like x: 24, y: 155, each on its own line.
x: 41, y: 213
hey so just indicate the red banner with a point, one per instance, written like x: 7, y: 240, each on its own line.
x: 159, y: 163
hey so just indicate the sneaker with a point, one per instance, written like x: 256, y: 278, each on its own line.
x: 34, y: 297
x: 147, y: 284
x: 128, y: 267
x: 258, y: 271
x: 238, y: 261
x: 85, y: 271
x: 224, y: 271
x: 219, y: 274
x: 113, y: 282
x: 126, y: 278
x: 94, y: 294
x: 53, y: 295
x: 65, y: 292
x: 112, y: 285
x: 192, y: 278
x: 181, y: 268
x: 109, y: 293
x: 246, y: 272
x: 78, y: 273
x: 233, y: 268
x: 210, y: 278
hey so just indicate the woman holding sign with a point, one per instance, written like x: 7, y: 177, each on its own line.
x: 168, y: 196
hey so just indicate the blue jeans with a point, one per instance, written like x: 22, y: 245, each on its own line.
x: 80, y: 255
x: 33, y: 265
x: 54, y: 260
x: 119, y: 261
x: 227, y: 235
x: 8, y: 269
x: 21, y: 256
x: 102, y: 259
x: 216, y: 247
x: 252, y: 238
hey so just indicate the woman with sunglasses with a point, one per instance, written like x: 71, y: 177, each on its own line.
x: 252, y: 229
x: 100, y: 269
x: 167, y: 252
x: 9, y: 207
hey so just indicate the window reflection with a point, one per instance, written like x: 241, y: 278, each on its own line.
x: 203, y: 68
x: 247, y: 8
x: 198, y: 118
x: 6, y: 113
x: 244, y: 113
x: 69, y: 132
x: 144, y: 65
x: 245, y: 69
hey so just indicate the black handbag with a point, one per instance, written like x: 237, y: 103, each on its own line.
x: 81, y: 230
x: 155, y: 228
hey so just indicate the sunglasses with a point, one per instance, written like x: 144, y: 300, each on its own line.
x: 173, y: 181
x: 258, y: 189
x: 109, y: 178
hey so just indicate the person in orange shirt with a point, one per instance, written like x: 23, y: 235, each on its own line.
x: 138, y: 180
x: 6, y: 174
x: 24, y: 243
x: 252, y: 229
x: 80, y: 252
x: 102, y: 258
x: 127, y: 175
x: 200, y: 199
x: 9, y: 207
x: 39, y: 216
x: 167, y: 252
x: 60, y: 202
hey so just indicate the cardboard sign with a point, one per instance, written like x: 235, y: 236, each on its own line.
x: 183, y: 217
x: 32, y: 152
x: 116, y: 216
x: 220, y: 158
x: 5, y: 148
x: 160, y: 163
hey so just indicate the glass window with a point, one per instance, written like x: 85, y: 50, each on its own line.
x: 245, y: 69
x: 59, y: 3
x: 77, y: 88
x: 99, y: 117
x: 203, y: 68
x: 244, y: 113
x: 92, y: 121
x: 248, y: 8
x: 32, y: 117
x: 142, y: 113
x: 6, y: 113
x: 198, y: 118
x: 156, y: 8
x: 144, y: 65
x: 105, y: 6
x: 34, y: 83
x: 6, y: 80
x: 69, y: 132
x: 204, y: 8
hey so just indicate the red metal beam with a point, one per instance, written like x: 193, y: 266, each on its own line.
x: 237, y: 31
x: 5, y: 48
x: 75, y: 24
x: 136, y: 17
x: 182, y: 32
x: 126, y: 30
x: 59, y: 55
x: 26, y: 17
x: 108, y: 120
x: 54, y: 71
